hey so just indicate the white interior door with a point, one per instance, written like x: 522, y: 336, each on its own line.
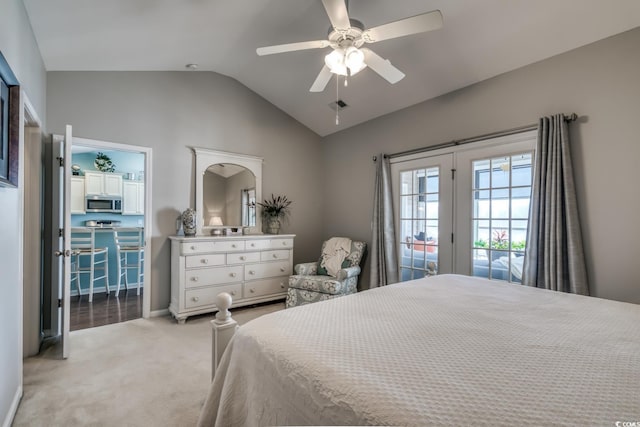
x: 423, y: 207
x: 62, y: 238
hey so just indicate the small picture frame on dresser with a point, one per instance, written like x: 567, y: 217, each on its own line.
x: 233, y: 231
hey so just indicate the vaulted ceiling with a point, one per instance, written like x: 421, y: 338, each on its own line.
x: 480, y: 39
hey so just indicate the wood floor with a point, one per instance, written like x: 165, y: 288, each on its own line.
x: 104, y: 309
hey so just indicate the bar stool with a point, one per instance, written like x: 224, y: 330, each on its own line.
x: 129, y: 241
x: 83, y: 244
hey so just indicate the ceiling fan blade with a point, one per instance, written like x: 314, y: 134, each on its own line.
x: 382, y: 66
x: 322, y: 80
x: 290, y: 47
x: 338, y: 14
x: 404, y: 27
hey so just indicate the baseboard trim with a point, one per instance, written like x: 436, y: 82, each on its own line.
x: 13, y: 409
x: 159, y: 313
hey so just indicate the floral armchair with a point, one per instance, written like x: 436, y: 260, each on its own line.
x: 308, y: 286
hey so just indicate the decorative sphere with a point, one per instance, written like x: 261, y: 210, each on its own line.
x: 223, y: 301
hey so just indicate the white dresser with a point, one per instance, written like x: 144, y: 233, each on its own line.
x: 251, y: 269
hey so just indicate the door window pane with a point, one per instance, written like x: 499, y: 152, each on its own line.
x: 419, y: 206
x: 501, y: 192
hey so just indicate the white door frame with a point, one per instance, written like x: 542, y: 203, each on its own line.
x: 30, y: 305
x: 147, y: 151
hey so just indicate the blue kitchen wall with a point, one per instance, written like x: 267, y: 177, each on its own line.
x: 125, y: 163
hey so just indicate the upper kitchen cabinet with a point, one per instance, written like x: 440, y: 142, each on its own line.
x: 132, y: 198
x: 103, y: 183
x: 77, y: 195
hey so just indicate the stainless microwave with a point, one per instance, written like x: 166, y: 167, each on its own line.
x: 103, y: 204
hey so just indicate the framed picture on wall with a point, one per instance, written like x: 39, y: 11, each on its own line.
x: 9, y: 125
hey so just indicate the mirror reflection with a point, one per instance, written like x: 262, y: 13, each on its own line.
x: 229, y: 196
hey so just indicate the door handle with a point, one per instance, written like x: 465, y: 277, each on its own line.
x: 63, y: 254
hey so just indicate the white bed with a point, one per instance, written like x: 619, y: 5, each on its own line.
x: 447, y: 350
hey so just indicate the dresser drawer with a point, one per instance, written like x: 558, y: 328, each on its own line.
x: 242, y: 258
x: 196, y: 261
x: 258, y: 288
x: 213, y: 276
x: 188, y: 248
x: 228, y: 246
x: 280, y: 243
x: 268, y: 269
x: 258, y: 244
x: 207, y: 296
x: 275, y: 255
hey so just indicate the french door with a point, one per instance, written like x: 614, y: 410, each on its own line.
x: 423, y: 199
x: 465, y: 211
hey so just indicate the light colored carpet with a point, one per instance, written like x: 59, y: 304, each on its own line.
x: 145, y: 372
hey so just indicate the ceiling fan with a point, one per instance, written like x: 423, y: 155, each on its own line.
x: 346, y: 36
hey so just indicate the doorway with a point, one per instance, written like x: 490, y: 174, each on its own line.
x: 123, y: 172
x: 465, y: 209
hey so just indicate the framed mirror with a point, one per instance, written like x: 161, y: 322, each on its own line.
x: 227, y: 188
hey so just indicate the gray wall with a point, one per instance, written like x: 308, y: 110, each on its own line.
x: 171, y: 111
x: 19, y: 48
x: 600, y: 82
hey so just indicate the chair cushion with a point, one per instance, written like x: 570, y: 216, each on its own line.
x: 322, y: 284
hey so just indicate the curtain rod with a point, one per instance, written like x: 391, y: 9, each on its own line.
x: 568, y: 118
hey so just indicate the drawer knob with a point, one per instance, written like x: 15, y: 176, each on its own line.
x: 233, y: 293
x: 282, y: 269
x: 242, y: 258
x: 275, y: 255
x: 194, y: 279
x: 253, y: 245
x: 252, y: 272
x: 233, y: 245
x: 252, y: 290
x: 195, y: 299
x: 232, y: 274
x: 284, y: 243
x: 193, y: 248
x: 204, y: 261
x: 282, y: 285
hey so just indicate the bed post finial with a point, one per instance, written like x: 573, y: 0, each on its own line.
x: 223, y: 329
x: 223, y: 302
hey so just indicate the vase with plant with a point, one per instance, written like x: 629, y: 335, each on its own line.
x: 103, y: 163
x: 275, y: 211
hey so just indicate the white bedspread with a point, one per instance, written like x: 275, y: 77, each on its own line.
x: 447, y: 350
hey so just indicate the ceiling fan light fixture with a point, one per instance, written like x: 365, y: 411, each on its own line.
x: 335, y: 62
x: 354, y: 59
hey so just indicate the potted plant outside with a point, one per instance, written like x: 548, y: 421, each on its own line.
x: 499, y: 245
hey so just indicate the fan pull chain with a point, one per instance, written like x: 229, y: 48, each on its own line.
x: 337, y: 99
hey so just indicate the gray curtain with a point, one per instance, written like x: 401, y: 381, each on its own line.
x: 384, y: 256
x: 554, y: 257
